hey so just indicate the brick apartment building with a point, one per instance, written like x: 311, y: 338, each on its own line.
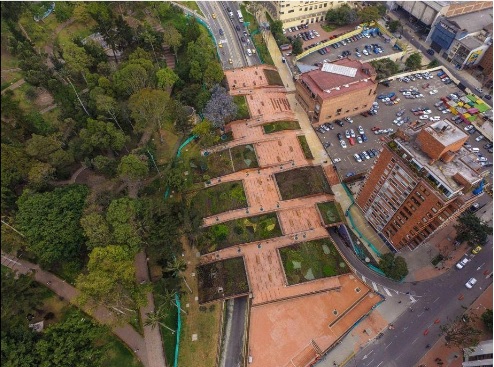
x: 339, y: 89
x: 422, y: 180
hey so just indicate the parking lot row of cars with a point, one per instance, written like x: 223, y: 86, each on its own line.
x: 366, y: 154
x: 340, y: 43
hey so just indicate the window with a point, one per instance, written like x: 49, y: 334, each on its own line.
x: 325, y: 4
x: 305, y: 9
x: 424, y: 219
x: 338, y: 110
x: 291, y: 11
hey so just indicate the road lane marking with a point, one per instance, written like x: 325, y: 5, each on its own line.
x: 413, y: 299
x: 388, y: 345
x: 380, y: 363
x: 387, y: 292
x: 436, y: 299
x: 363, y: 278
x: 375, y: 286
x: 415, y: 340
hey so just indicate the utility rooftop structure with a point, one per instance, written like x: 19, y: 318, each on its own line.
x: 422, y: 180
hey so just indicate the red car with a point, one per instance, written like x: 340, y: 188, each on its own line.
x: 375, y: 128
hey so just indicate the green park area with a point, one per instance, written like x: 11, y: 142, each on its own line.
x: 331, y: 212
x: 311, y: 260
x: 222, y: 279
x: 301, y: 182
x: 234, y: 232
x: 243, y: 109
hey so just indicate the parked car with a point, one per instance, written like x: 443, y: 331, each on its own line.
x: 357, y: 158
x: 471, y: 282
x: 479, y: 138
x: 476, y: 250
x: 352, y: 133
x: 359, y: 140
x: 468, y: 127
x: 375, y: 128
x: 336, y: 160
x: 424, y: 117
x: 343, y: 144
x: 347, y: 134
x: 460, y: 264
x: 339, y: 136
x: 360, y: 130
x: 366, y: 155
x: 364, y: 137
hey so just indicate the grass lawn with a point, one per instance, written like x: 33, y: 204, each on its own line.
x: 169, y: 339
x: 227, y: 274
x: 204, y: 321
x: 273, y: 77
x: 249, y: 18
x: 244, y: 156
x: 192, y: 5
x: 311, y: 260
x: 305, y: 147
x: 119, y: 355
x: 262, y: 49
x: 165, y: 151
x: 331, y: 212
x: 302, y: 182
x: 238, y: 231
x: 273, y: 127
x: 219, y: 198
x: 243, y: 109
x: 39, y: 32
x: 329, y: 27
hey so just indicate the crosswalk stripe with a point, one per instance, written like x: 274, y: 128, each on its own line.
x: 413, y: 299
x: 387, y: 292
x: 363, y: 278
x: 375, y: 286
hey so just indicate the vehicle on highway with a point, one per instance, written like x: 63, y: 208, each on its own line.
x: 460, y: 264
x: 230, y: 61
x: 476, y: 250
x: 213, y: 15
x: 471, y: 282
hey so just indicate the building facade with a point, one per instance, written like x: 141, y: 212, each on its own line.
x: 480, y: 356
x: 421, y: 181
x: 463, y: 39
x: 486, y: 65
x: 293, y: 13
x: 336, y: 90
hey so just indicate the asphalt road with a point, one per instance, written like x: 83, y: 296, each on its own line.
x: 235, y: 338
x: 406, y: 343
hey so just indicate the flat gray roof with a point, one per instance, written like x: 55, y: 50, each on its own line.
x: 465, y: 162
x: 473, y: 22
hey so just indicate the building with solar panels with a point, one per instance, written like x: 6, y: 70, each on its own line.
x: 336, y: 90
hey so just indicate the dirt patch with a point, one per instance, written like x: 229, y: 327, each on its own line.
x: 44, y: 98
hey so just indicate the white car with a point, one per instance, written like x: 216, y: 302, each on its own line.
x: 445, y: 111
x: 462, y: 263
x: 360, y: 130
x: 357, y: 158
x: 432, y: 92
x: 468, y: 127
x: 479, y: 138
x: 336, y: 160
x: 347, y: 134
x: 435, y: 118
x: 481, y: 159
x: 352, y: 133
x: 471, y: 282
x: 366, y: 155
x: 424, y: 117
x: 427, y: 112
x: 359, y: 140
x: 343, y: 144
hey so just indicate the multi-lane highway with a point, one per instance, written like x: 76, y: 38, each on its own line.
x: 228, y: 32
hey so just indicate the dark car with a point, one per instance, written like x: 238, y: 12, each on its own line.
x: 339, y: 122
x: 350, y: 174
x: 371, y: 153
x: 221, y: 32
x: 488, y: 146
x: 327, y: 144
x: 331, y: 126
x: 364, y: 137
x: 242, y: 39
x: 237, y: 27
x: 430, y: 51
x: 339, y: 136
x: 375, y: 151
x: 487, y: 96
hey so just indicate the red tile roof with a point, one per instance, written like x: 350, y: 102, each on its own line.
x: 320, y: 81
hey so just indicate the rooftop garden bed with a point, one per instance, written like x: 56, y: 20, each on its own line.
x: 331, y: 212
x: 311, y: 260
x: 305, y: 147
x: 222, y: 279
x: 219, y: 198
x: 273, y: 127
x: 234, y: 232
x: 301, y: 182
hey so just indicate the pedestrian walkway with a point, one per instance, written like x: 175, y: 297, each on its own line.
x: 148, y: 349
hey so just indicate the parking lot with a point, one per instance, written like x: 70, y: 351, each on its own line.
x: 384, y: 120
x: 332, y: 55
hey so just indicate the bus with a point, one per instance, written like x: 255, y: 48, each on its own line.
x: 240, y: 18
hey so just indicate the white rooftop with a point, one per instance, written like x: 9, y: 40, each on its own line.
x: 339, y: 69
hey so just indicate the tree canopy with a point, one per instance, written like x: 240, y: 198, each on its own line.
x: 470, y: 228
x: 220, y: 108
x: 394, y: 267
x: 342, y: 15
x: 414, y: 61
x: 50, y: 222
x: 462, y: 332
x: 370, y: 13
